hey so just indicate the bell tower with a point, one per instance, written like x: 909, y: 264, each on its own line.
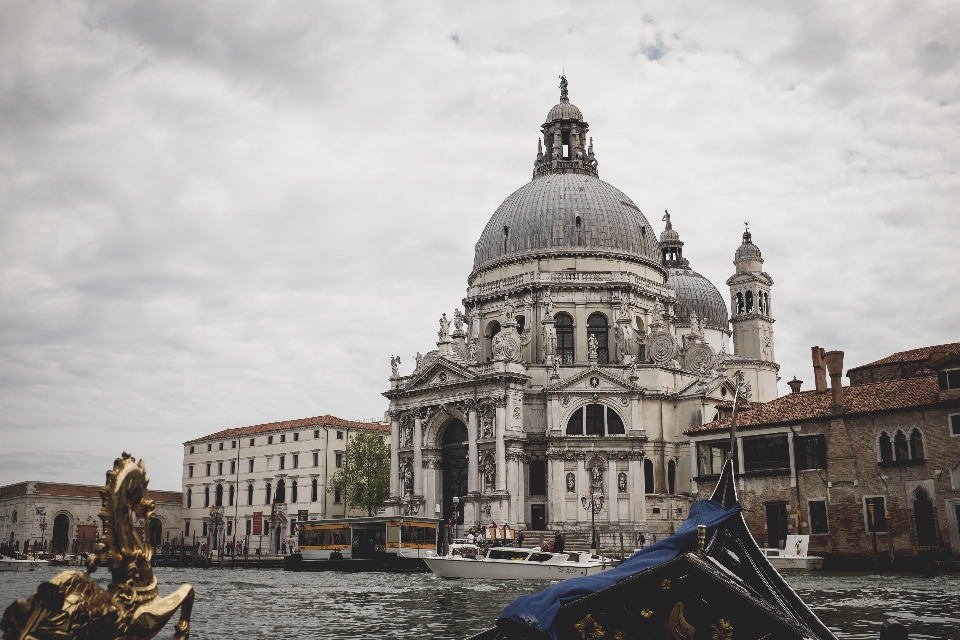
x: 752, y: 319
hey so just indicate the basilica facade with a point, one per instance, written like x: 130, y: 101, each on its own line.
x: 585, y: 348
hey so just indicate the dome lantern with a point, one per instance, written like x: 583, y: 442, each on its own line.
x: 565, y: 140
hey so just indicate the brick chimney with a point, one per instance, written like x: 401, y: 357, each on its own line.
x: 795, y: 385
x: 834, y: 360
x: 819, y: 372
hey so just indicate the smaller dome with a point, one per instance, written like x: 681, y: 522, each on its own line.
x: 696, y: 293
x: 747, y: 249
x: 564, y: 111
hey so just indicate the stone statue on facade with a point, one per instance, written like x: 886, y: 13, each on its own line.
x: 458, y: 320
x: 508, y: 308
x: 622, y: 483
x: 395, y: 365
x: 474, y: 349
x: 592, y: 347
x: 596, y: 475
x: 571, y: 483
x: 419, y: 360
x: 444, y: 331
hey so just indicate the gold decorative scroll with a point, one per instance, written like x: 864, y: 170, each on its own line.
x: 72, y: 606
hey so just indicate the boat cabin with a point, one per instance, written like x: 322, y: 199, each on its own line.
x: 368, y: 538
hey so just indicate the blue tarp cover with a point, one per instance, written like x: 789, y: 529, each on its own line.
x: 539, y: 610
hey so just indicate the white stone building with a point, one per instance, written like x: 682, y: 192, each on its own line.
x: 281, y: 469
x: 66, y: 515
x: 585, y: 349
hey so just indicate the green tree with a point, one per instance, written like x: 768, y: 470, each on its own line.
x: 364, y: 478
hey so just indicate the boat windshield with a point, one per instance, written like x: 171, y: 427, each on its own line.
x: 508, y: 554
x: 540, y: 557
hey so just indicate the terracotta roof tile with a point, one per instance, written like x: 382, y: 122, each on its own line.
x: 319, y: 421
x: 810, y: 405
x: 77, y: 491
x: 913, y: 355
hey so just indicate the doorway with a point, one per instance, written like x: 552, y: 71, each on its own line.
x: 776, y: 526
x: 156, y: 532
x: 538, y: 517
x: 61, y: 531
x: 925, y: 522
x: 455, y: 469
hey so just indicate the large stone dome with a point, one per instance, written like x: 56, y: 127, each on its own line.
x: 565, y: 213
x: 696, y: 293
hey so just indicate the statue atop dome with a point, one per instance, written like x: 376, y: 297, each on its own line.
x: 563, y: 88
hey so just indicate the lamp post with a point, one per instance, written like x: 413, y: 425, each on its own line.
x: 594, y: 505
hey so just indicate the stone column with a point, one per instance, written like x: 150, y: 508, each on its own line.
x: 501, y: 426
x: 418, y: 454
x: 473, y: 464
x: 394, y: 455
x: 583, y: 486
x: 580, y: 333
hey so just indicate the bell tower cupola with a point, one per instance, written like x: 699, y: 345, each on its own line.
x: 752, y: 312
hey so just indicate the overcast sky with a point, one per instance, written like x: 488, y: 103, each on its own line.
x: 220, y: 214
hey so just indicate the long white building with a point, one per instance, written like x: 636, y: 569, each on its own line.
x: 280, y: 469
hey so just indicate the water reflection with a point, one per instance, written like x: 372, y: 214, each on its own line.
x: 243, y: 604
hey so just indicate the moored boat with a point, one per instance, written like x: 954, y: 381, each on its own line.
x: 794, y: 557
x: 511, y: 563
x: 24, y: 564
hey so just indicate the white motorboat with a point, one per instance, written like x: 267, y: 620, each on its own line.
x: 794, y: 557
x: 510, y: 563
x: 26, y: 564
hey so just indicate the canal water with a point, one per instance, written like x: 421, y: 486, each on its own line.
x: 249, y: 603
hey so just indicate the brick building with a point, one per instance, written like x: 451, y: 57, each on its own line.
x: 64, y: 517
x: 818, y: 462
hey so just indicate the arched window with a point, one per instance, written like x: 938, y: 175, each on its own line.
x: 538, y: 478
x: 671, y: 477
x: 267, y: 494
x: 595, y: 420
x: 293, y: 491
x: 493, y: 329
x: 760, y: 305
x: 313, y: 490
x: 597, y: 327
x: 749, y: 301
x: 738, y: 303
x: 156, y: 532
x: 564, y: 328
x: 206, y: 496
x: 521, y: 324
x: 231, y: 496
x: 189, y: 502
x: 219, y: 496
x: 916, y: 444
x: 249, y: 494
x: 614, y: 423
x: 900, y: 448
x: 648, y: 475
x: 281, y: 491
x: 575, y: 424
x: 886, y: 449
x: 15, y: 516
x: 454, y: 433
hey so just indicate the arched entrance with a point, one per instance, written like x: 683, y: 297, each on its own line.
x: 156, y: 532
x: 61, y: 532
x: 455, y: 468
x: 923, y: 516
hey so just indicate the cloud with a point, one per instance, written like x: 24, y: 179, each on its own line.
x: 214, y: 215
